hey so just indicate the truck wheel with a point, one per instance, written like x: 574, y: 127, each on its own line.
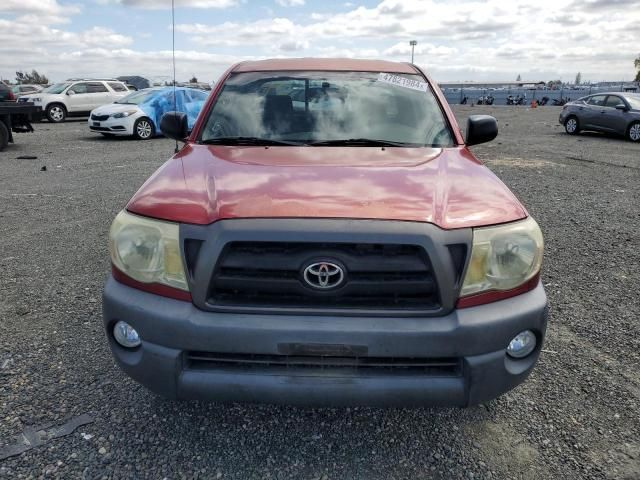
x: 56, y: 113
x: 633, y: 133
x: 4, y: 136
x: 143, y: 129
x: 571, y: 125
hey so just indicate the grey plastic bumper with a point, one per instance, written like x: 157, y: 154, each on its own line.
x: 478, y: 335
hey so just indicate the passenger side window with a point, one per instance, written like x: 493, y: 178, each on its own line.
x: 117, y: 87
x: 597, y: 100
x: 79, y: 88
x: 612, y: 101
x: 96, y: 87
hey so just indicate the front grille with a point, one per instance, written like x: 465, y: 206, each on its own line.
x: 99, y: 118
x: 270, y: 275
x: 444, y: 367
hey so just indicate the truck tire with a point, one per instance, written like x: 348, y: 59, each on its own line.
x: 4, y: 135
x: 56, y: 113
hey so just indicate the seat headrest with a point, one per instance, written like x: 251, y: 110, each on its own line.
x: 278, y: 105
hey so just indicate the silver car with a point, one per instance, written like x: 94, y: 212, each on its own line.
x: 604, y: 112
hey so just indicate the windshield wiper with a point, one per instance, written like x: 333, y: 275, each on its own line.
x: 248, y: 141
x: 361, y: 142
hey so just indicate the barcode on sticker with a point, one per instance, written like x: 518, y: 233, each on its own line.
x: 403, y: 82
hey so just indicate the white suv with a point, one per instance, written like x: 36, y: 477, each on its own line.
x: 76, y: 97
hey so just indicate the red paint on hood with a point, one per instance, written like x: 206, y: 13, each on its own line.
x: 447, y: 187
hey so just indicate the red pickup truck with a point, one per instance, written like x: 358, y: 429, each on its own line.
x: 325, y: 237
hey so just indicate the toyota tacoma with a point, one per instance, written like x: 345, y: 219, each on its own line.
x: 325, y: 237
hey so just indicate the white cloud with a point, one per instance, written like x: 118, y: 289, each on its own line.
x: 44, y: 12
x: 31, y: 33
x: 272, y: 31
x: 404, y: 50
x: 164, y: 4
x: 39, y: 7
x: 294, y: 45
x: 290, y: 3
x: 463, y: 40
x: 495, y: 37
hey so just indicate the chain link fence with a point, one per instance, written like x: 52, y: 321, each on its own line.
x: 467, y: 94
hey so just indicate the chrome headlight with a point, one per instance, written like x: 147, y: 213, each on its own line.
x: 503, y: 257
x: 123, y: 114
x: 147, y: 250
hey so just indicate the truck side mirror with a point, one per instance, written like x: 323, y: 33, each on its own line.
x: 481, y: 129
x: 174, y: 125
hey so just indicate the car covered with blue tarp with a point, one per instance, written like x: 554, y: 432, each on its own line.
x: 139, y: 113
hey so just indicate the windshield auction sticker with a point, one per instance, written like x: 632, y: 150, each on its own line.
x: 403, y: 82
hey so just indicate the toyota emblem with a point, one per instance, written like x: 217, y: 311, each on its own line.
x: 323, y: 275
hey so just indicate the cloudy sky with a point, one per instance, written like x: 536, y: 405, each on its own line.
x: 457, y: 40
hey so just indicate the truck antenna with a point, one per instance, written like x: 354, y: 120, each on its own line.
x: 173, y: 57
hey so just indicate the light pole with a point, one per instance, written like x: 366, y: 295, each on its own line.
x: 413, y: 44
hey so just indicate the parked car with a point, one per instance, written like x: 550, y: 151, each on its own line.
x: 6, y: 94
x: 135, y: 82
x: 354, y: 255
x: 138, y: 114
x: 25, y: 89
x: 76, y: 97
x: 614, y: 112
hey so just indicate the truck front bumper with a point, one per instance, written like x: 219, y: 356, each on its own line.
x: 174, y: 333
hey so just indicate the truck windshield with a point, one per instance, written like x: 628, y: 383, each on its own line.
x: 327, y: 108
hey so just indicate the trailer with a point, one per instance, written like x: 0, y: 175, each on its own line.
x: 16, y: 118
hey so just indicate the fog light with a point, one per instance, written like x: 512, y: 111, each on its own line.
x: 126, y: 335
x: 522, y: 344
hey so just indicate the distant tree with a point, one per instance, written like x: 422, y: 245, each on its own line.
x: 636, y: 62
x: 519, y: 78
x: 31, y: 78
x: 193, y: 80
x: 553, y: 84
x: 578, y: 78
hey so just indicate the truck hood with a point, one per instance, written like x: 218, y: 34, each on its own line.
x: 447, y: 187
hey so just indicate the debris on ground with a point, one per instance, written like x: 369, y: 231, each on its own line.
x: 33, y: 437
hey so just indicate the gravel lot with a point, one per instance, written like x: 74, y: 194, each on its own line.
x: 577, y: 417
